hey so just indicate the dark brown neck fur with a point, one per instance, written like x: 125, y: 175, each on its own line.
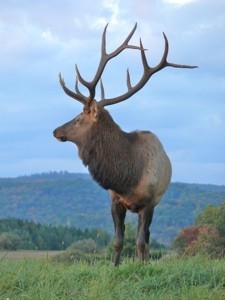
x: 110, y: 155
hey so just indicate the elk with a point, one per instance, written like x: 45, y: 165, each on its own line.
x: 132, y: 166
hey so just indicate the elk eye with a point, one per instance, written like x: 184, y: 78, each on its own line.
x: 78, y: 121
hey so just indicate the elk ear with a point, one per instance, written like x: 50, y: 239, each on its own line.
x: 94, y: 110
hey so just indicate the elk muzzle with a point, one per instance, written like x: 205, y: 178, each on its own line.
x: 59, y: 135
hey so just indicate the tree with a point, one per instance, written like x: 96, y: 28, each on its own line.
x: 215, y: 216
x: 9, y: 241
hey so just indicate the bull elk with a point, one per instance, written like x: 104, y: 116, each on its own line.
x: 132, y: 166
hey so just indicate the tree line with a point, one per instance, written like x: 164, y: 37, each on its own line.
x: 18, y: 234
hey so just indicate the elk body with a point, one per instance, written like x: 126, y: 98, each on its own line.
x: 133, y: 166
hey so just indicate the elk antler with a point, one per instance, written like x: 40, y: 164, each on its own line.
x: 91, y: 86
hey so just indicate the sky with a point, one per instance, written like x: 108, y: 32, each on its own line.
x: 185, y: 108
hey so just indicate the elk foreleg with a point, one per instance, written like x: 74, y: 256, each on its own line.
x: 145, y: 216
x: 118, y: 215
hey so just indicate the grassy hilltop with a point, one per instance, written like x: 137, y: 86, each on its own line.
x: 168, y: 279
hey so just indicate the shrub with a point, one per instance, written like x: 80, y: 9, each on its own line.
x: 186, y: 238
x: 69, y: 256
x: 204, y: 239
x: 85, y: 246
x: 209, y: 242
x: 73, y: 256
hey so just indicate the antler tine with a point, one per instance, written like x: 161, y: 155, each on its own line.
x: 143, y: 57
x: 76, y: 87
x: 163, y: 63
x: 144, y: 62
x: 172, y: 64
x: 104, y: 39
x: 78, y: 96
x: 128, y: 80
x: 103, y: 61
x: 125, y: 44
x: 130, y: 34
x: 88, y: 85
x: 80, y: 78
x: 102, y: 89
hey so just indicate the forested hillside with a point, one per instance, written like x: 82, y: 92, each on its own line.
x: 76, y: 200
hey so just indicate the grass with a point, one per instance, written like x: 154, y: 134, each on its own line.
x: 169, y: 278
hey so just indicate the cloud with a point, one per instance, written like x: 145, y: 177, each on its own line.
x: 180, y: 2
x: 113, y: 12
x: 49, y: 37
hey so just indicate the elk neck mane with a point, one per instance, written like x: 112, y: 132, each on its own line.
x: 112, y: 155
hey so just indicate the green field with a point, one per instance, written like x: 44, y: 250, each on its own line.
x: 168, y: 278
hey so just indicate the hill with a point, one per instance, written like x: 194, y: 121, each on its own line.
x: 76, y: 200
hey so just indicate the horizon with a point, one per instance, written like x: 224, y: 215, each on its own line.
x: 88, y: 174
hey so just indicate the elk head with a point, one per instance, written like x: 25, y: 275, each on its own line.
x: 76, y: 129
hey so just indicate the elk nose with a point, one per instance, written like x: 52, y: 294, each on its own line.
x: 55, y: 132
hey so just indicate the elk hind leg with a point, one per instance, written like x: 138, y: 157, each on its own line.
x: 145, y: 216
